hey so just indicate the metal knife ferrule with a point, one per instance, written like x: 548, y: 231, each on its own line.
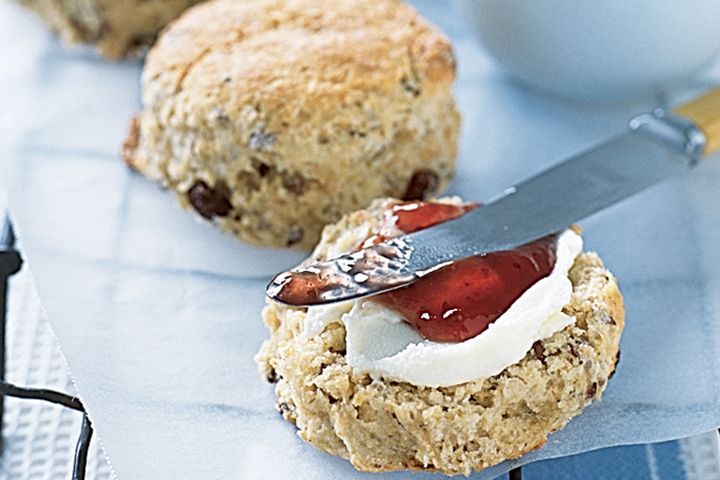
x: 672, y: 130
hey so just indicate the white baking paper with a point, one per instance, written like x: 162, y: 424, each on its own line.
x: 158, y: 314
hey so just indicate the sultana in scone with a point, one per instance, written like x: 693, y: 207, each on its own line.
x: 274, y: 118
x: 116, y: 27
x: 382, y: 423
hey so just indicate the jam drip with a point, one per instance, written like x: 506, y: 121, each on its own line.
x: 461, y: 300
x: 414, y: 216
x: 410, y: 217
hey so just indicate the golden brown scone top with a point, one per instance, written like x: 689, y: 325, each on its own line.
x: 295, y: 54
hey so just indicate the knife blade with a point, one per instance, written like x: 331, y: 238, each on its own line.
x: 656, y: 146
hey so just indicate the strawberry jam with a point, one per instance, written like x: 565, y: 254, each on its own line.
x: 455, y: 302
x: 461, y: 300
x: 414, y: 216
x: 410, y: 217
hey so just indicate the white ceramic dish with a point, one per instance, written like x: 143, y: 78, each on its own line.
x: 609, y: 50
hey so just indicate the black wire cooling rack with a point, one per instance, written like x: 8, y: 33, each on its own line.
x: 10, y: 263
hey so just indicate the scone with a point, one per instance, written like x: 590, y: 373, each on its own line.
x: 274, y: 118
x: 400, y: 383
x: 116, y: 27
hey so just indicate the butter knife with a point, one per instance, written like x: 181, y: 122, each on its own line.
x: 655, y: 146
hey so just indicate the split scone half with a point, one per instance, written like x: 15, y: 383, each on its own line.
x: 368, y: 381
x: 272, y: 119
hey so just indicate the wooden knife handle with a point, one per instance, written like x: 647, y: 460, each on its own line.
x: 705, y: 112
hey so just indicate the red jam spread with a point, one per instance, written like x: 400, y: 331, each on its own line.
x: 414, y: 216
x: 410, y: 217
x: 455, y: 302
x: 461, y: 300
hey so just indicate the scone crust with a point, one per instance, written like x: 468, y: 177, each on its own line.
x: 117, y: 28
x: 297, y: 111
x: 382, y: 425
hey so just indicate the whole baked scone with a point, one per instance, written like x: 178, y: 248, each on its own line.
x: 366, y: 381
x: 273, y: 118
x: 116, y: 27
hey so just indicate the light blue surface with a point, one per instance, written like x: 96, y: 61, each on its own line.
x: 157, y: 314
x: 586, y: 49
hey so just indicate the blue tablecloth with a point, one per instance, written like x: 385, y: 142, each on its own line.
x: 687, y: 459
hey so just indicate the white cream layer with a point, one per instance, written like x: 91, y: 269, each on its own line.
x: 381, y: 343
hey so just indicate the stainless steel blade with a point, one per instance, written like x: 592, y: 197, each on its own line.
x: 654, y: 148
